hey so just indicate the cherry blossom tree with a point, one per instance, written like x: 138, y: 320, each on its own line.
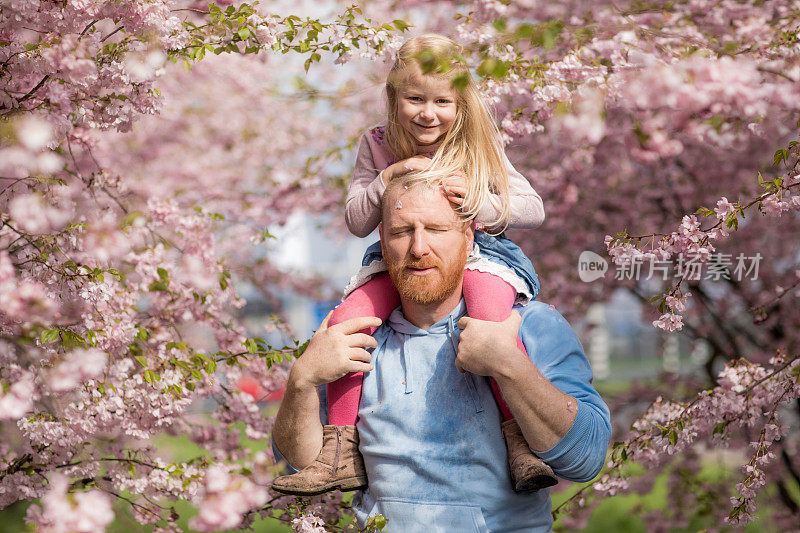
x: 118, y: 310
x: 148, y: 146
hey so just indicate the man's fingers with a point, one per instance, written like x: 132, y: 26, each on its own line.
x: 360, y: 354
x: 362, y: 340
x: 354, y: 325
x: 459, y: 367
x: 462, y: 322
x: 360, y: 367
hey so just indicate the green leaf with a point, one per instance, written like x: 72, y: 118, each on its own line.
x: 487, y: 67
x: 72, y: 340
x: 149, y: 376
x: 244, y: 33
x: 300, y: 349
x: 48, y: 335
x: 401, y: 25
x: 375, y: 522
x: 141, y: 360
x: 673, y: 437
x: 211, y: 367
x: 158, y: 286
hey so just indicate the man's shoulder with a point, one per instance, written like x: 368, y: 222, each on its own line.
x: 549, y: 339
x: 540, y: 314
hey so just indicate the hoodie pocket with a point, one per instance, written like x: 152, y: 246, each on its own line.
x: 410, y: 516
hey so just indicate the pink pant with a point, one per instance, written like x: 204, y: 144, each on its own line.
x: 488, y: 297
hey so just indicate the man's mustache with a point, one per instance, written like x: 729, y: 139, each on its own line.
x: 421, y: 264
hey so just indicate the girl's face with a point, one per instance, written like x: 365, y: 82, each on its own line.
x: 426, y: 108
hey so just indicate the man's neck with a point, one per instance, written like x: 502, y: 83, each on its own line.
x: 425, y: 315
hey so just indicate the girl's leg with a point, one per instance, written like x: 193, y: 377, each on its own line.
x: 489, y: 297
x: 377, y: 297
x: 340, y: 439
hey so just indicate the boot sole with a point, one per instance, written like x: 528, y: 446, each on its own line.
x: 536, y: 483
x: 344, y: 485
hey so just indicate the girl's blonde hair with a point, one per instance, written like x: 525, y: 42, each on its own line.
x: 471, y: 145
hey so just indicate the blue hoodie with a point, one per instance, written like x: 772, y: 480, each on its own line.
x: 431, y: 439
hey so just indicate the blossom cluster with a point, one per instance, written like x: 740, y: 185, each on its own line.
x: 748, y: 396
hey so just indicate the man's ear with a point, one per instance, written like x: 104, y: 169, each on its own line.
x: 469, y: 235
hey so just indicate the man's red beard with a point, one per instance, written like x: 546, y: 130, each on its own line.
x: 429, y: 289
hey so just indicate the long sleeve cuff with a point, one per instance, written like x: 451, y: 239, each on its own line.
x: 375, y: 189
x: 580, y: 454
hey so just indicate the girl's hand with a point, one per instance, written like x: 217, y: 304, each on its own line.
x: 418, y: 162
x: 455, y: 188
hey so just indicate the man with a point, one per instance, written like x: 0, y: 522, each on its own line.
x: 429, y: 429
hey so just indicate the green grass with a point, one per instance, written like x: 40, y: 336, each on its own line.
x: 624, y: 513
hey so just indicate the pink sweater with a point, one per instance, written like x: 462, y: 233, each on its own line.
x: 362, y: 211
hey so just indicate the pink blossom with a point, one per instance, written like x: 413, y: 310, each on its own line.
x: 308, y: 524
x: 82, y: 512
x: 18, y: 400
x: 27, y: 301
x: 224, y: 499
x: 76, y: 367
x: 724, y: 208
x: 37, y: 216
x: 34, y: 133
x: 669, y: 322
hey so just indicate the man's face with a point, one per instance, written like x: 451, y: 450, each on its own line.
x: 424, y: 243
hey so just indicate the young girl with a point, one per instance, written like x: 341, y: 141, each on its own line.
x: 431, y: 128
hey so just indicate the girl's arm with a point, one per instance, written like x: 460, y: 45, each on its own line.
x: 362, y: 208
x: 527, y: 209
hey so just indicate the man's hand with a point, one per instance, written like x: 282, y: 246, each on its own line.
x: 484, y: 347
x: 336, y: 351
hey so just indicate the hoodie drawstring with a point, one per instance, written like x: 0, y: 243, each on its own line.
x: 469, y: 378
x: 406, y: 362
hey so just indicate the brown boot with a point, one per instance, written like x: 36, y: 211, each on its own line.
x: 339, y: 465
x: 528, y: 472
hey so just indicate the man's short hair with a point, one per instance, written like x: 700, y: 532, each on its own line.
x: 410, y: 181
